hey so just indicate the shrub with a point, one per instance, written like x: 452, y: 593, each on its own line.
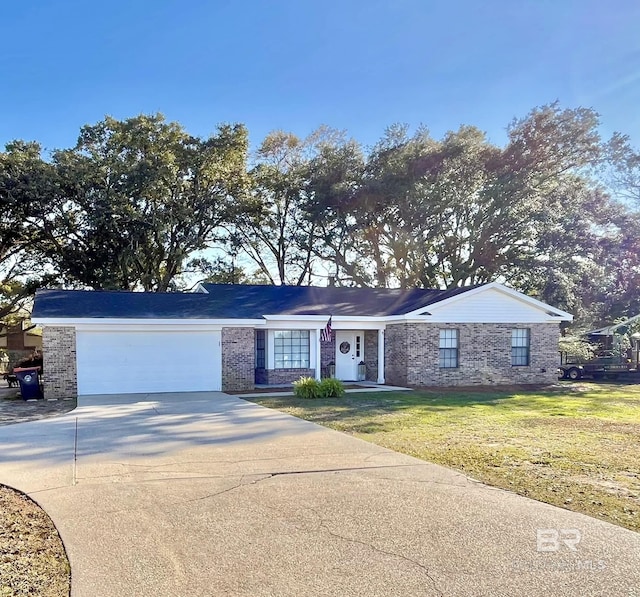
x: 577, y: 347
x: 306, y: 387
x: 331, y: 388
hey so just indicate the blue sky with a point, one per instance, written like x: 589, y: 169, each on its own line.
x: 295, y: 64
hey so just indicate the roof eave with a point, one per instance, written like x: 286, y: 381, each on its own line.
x: 73, y: 321
x: 325, y: 318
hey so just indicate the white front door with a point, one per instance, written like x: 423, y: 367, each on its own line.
x: 349, y: 352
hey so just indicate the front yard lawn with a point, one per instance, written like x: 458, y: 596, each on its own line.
x: 575, y: 445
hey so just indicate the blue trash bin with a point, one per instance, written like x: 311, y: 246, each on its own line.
x: 29, y: 381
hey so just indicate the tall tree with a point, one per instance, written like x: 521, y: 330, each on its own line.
x: 333, y: 177
x: 137, y: 197
x: 461, y: 210
x: 622, y: 170
x: 27, y: 184
x: 279, y: 236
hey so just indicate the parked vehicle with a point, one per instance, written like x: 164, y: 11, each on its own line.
x: 607, y: 366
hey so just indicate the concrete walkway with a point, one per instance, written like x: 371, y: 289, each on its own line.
x: 206, y: 495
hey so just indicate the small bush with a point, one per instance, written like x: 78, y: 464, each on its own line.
x: 331, y: 388
x: 306, y: 387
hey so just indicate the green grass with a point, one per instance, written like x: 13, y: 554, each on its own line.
x: 575, y: 446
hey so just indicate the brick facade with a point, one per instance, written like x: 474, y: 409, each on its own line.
x: 59, y: 362
x: 238, y: 359
x: 395, y: 354
x: 371, y: 354
x: 412, y: 355
x: 282, y: 376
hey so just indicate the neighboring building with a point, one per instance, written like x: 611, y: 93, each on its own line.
x: 18, y: 342
x: 228, y: 337
x: 608, y: 337
x: 20, y: 337
x: 610, y: 341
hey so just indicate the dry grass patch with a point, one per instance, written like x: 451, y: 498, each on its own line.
x: 573, y: 445
x: 32, y: 557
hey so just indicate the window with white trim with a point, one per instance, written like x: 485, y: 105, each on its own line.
x: 291, y: 349
x: 449, y: 349
x: 520, y: 347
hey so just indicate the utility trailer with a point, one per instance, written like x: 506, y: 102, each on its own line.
x: 603, y: 367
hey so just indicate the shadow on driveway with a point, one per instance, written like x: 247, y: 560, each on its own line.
x: 139, y: 426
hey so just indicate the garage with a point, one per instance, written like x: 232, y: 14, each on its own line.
x: 148, y: 361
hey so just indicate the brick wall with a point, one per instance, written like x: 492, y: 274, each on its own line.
x: 411, y: 355
x: 282, y: 376
x: 238, y: 359
x: 59, y: 362
x: 395, y: 354
x: 371, y: 354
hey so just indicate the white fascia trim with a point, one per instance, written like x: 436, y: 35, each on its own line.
x: 315, y: 322
x: 558, y: 314
x: 187, y: 323
x: 435, y: 319
x: 323, y: 318
x: 116, y: 329
x: 409, y: 318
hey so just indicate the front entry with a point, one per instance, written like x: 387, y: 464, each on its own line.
x: 349, y: 353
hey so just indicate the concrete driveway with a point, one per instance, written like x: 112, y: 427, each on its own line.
x: 205, y: 495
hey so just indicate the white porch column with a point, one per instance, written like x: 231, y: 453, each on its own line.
x: 318, y: 354
x: 381, y: 355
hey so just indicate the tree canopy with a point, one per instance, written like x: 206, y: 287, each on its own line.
x: 137, y: 197
x: 140, y: 204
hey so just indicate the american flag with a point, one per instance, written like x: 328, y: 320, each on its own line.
x: 325, y: 335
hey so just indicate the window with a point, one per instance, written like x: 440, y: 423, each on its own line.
x: 520, y: 345
x: 260, y: 349
x: 291, y: 349
x: 448, y: 349
x: 357, y: 347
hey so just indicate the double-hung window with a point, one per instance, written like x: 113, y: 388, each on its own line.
x: 449, y: 341
x: 520, y: 347
x: 291, y: 349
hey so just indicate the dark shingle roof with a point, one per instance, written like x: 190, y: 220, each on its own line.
x: 235, y: 302
x: 126, y: 305
x: 315, y: 300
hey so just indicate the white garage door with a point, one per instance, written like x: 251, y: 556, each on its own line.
x: 150, y: 361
